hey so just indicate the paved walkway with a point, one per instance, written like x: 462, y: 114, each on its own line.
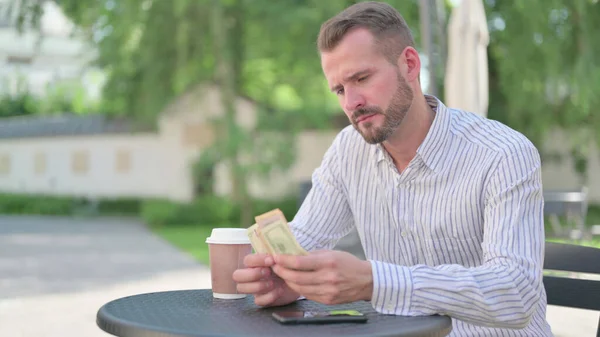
x: 55, y: 273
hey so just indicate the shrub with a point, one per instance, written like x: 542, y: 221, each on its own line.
x: 159, y: 212
x: 36, y: 204
x: 209, y: 210
x: 212, y: 209
x: 287, y: 205
x: 120, y: 206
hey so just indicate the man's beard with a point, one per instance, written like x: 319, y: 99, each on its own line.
x: 393, y: 115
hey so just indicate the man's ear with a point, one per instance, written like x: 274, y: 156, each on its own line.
x: 410, y: 64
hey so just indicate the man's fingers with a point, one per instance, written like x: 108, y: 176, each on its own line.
x: 257, y: 288
x: 268, y: 298
x: 258, y: 260
x: 297, y: 276
x: 250, y: 274
x: 306, y: 262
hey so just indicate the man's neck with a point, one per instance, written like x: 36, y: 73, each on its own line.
x: 403, y: 144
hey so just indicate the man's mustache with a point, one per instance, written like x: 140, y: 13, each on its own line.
x: 365, y: 112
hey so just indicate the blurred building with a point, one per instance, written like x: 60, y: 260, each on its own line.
x: 97, y: 157
x: 39, y: 58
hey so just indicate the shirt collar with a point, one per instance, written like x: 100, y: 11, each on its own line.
x: 433, y: 150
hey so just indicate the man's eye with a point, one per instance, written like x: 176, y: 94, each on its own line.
x: 339, y: 92
x: 362, y: 78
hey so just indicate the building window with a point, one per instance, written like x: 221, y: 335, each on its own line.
x: 198, y: 135
x: 80, y: 162
x: 19, y: 60
x: 4, y: 164
x: 39, y: 163
x: 123, y: 161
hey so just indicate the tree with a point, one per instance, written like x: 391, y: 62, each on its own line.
x: 154, y: 51
x: 545, y: 70
x: 228, y: 55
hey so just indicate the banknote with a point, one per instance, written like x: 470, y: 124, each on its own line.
x: 280, y: 239
x: 256, y: 241
x: 271, y: 234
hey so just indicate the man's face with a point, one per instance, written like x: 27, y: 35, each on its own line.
x: 370, y: 89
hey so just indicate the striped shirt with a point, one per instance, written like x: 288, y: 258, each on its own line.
x: 459, y: 232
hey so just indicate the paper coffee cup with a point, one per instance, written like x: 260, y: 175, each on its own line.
x: 228, y: 236
x: 227, y: 248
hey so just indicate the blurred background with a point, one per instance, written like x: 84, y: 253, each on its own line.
x: 129, y: 129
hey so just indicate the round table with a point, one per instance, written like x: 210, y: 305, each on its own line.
x: 197, y: 313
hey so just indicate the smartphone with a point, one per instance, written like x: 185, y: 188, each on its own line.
x: 319, y: 317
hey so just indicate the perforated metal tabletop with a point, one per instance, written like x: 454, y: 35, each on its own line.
x: 197, y: 313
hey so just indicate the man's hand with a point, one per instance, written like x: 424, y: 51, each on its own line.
x: 328, y: 277
x: 257, y: 279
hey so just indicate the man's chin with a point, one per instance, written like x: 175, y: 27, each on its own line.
x: 370, y: 133
x: 372, y: 137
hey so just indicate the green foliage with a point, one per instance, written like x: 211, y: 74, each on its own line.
x: 153, y: 51
x: 36, y: 204
x: 60, y: 98
x: 203, y: 210
x: 160, y: 212
x: 67, y: 205
x: 288, y: 205
x: 119, y: 206
x: 68, y: 97
x: 21, y: 104
x: 545, y: 71
x: 206, y: 210
x: 156, y: 50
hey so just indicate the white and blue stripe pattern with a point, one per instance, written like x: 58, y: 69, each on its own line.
x: 459, y: 232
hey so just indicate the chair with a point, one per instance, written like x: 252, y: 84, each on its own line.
x: 571, y: 292
x: 573, y: 205
x: 349, y: 243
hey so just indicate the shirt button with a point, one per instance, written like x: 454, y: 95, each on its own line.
x: 390, y: 307
x: 404, y: 233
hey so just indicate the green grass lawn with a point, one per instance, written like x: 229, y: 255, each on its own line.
x: 190, y: 239
x: 589, y: 243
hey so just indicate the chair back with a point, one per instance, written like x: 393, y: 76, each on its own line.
x: 571, y: 205
x: 572, y: 292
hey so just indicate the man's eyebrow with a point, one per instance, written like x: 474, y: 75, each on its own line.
x: 354, y: 76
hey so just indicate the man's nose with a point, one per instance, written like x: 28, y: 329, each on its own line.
x: 353, y: 101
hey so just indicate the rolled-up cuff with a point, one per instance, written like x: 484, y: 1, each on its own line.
x: 392, y: 288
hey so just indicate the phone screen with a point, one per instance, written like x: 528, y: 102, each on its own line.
x: 333, y: 316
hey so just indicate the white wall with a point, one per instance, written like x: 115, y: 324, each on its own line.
x: 310, y: 148
x: 160, y: 166
x: 313, y: 144
x: 156, y: 169
x: 562, y: 175
x: 161, y: 162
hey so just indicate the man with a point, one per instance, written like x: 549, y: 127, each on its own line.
x: 448, y: 205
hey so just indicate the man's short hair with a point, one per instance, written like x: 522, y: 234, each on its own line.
x: 389, y: 28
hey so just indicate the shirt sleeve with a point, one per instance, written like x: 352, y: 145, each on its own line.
x: 325, y: 215
x: 504, y: 291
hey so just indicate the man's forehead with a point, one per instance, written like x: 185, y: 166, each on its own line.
x: 358, y: 37
x: 357, y: 46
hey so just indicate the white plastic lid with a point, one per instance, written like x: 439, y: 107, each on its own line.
x: 228, y: 236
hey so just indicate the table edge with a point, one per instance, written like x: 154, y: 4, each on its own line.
x: 118, y: 327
